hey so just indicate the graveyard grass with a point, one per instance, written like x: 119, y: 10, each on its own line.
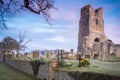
x: 8, y: 73
x: 96, y: 66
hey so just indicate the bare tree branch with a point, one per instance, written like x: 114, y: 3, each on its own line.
x: 23, y: 39
x: 8, y: 8
x: 1, y: 2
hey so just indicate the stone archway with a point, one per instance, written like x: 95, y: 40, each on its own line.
x: 96, y: 49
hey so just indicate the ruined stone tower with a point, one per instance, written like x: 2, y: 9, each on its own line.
x: 91, y: 28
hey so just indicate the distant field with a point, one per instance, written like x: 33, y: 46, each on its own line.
x: 8, y: 73
x: 96, y: 66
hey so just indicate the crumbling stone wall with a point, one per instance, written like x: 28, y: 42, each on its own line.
x: 77, y: 75
x: 45, y: 70
x: 91, y: 35
x: 91, y: 26
x: 23, y: 66
x: 117, y: 51
x: 62, y: 75
x: 104, y: 51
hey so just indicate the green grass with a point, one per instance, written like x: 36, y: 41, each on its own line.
x: 112, y: 68
x: 8, y: 73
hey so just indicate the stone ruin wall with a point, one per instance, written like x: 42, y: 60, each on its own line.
x: 23, y: 66
x: 77, y: 75
x: 45, y: 70
x: 117, y: 51
x: 91, y: 27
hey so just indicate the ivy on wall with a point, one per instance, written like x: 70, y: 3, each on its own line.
x: 35, y: 65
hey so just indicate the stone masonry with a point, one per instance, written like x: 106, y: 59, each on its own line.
x: 91, y: 37
x: 91, y: 28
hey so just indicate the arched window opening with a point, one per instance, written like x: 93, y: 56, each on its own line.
x: 97, y: 40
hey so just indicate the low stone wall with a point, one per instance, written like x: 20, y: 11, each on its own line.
x: 77, y: 75
x: 62, y: 75
x: 45, y: 70
x: 23, y: 66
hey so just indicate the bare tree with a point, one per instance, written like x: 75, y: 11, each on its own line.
x: 23, y: 39
x: 10, y: 44
x: 9, y: 8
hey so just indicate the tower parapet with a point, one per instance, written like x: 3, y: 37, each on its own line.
x: 87, y: 10
x: 99, y: 12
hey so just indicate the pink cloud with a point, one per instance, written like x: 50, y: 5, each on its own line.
x: 70, y: 16
x: 63, y: 14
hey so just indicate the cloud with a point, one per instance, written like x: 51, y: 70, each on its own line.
x: 60, y: 39
x: 71, y: 16
x: 113, y: 33
x: 65, y: 15
x: 43, y: 46
x: 38, y: 46
x: 42, y: 30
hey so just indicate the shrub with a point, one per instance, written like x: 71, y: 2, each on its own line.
x: 65, y: 63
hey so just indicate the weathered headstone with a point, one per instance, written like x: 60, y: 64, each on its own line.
x: 48, y: 55
x: 35, y: 54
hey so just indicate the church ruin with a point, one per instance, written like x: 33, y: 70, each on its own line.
x: 91, y: 37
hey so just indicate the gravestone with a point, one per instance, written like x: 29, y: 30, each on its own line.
x: 35, y: 54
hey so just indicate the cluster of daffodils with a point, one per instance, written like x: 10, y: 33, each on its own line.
x: 84, y: 62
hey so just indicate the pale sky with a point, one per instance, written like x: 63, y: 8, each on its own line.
x: 63, y: 33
